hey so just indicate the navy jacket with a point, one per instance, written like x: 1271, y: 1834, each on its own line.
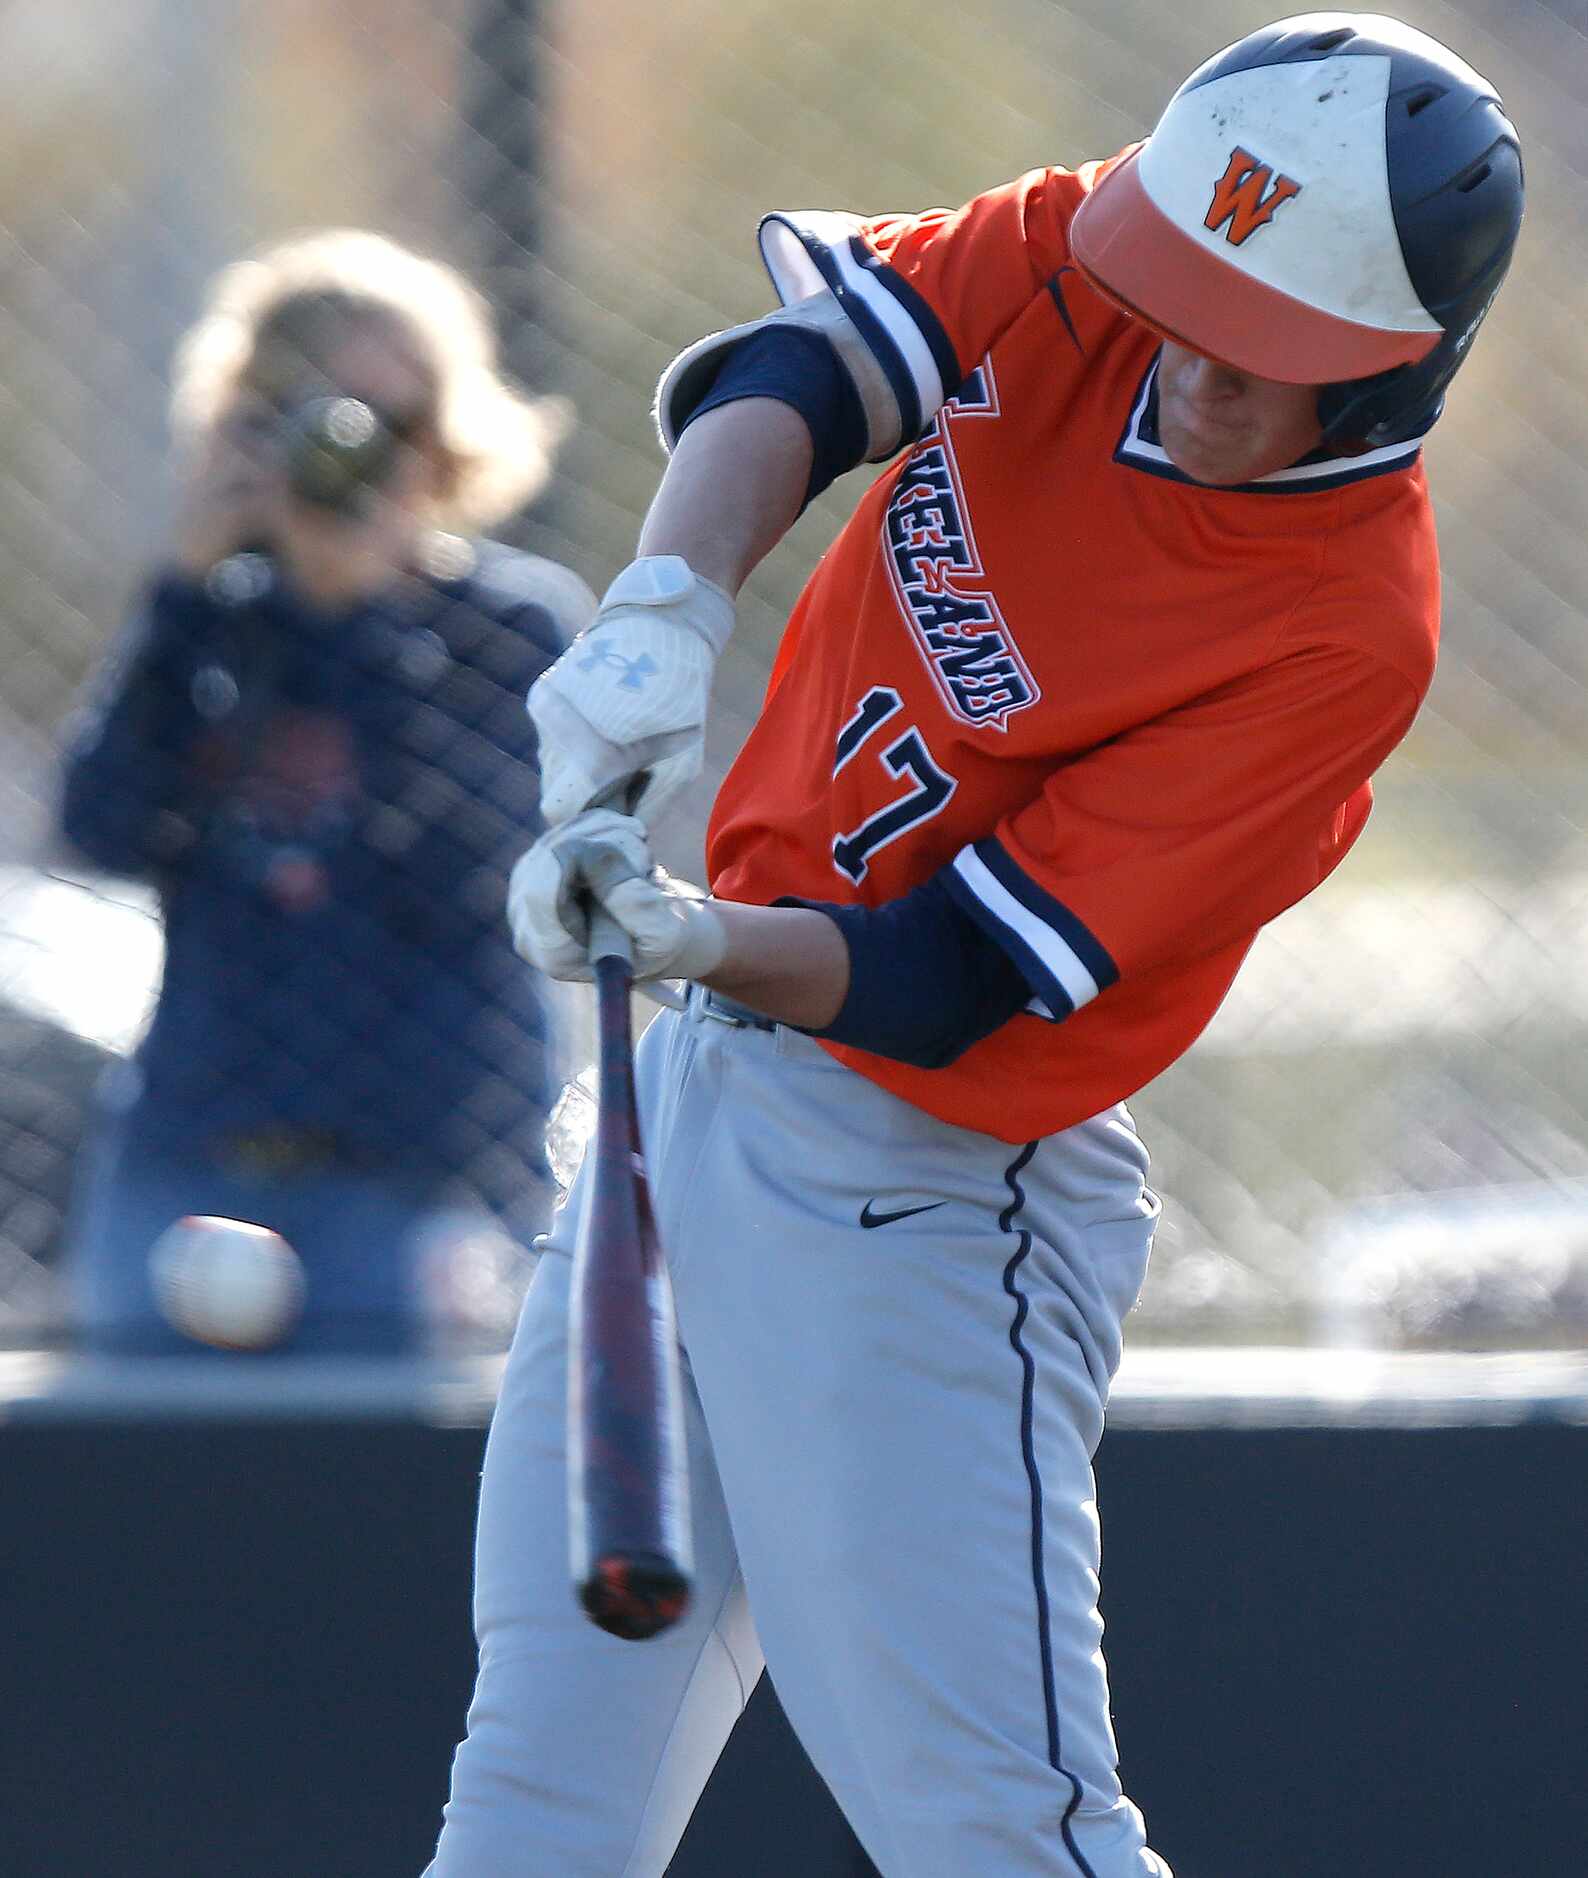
x: 329, y: 807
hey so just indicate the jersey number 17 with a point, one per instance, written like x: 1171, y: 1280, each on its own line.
x: 906, y: 755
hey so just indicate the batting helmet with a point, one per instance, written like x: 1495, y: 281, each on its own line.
x: 1332, y: 200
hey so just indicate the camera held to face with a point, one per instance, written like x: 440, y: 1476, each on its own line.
x: 340, y: 454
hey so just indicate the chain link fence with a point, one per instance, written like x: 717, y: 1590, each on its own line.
x: 1385, y: 1132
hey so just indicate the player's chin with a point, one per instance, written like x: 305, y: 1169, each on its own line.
x: 1220, y: 463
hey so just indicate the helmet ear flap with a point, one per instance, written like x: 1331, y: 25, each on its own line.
x: 1366, y: 411
x: 1404, y: 402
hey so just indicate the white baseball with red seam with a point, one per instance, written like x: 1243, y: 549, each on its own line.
x: 226, y: 1282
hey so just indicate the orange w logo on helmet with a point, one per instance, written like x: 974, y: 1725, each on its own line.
x: 1243, y: 198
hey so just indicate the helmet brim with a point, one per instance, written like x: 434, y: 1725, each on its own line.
x: 1136, y: 257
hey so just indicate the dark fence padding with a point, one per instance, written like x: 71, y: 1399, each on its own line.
x: 243, y: 1649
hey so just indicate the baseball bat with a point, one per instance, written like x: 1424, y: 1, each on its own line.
x: 628, y: 1476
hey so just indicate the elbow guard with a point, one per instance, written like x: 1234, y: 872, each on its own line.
x: 693, y: 373
x: 889, y: 342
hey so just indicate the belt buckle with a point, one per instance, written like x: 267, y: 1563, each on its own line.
x: 710, y: 1007
x: 728, y: 1011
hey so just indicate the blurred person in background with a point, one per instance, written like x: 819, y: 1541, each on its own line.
x: 312, y: 742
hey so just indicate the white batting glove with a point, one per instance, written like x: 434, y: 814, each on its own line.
x: 627, y: 700
x: 603, y: 855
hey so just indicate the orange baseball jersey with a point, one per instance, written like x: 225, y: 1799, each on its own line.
x: 1133, y: 715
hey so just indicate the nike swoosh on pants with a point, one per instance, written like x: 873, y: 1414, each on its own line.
x: 869, y: 1219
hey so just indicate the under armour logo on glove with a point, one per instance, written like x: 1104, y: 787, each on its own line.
x: 625, y: 705
x: 635, y: 671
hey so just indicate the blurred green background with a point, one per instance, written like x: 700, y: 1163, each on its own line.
x: 1384, y: 1135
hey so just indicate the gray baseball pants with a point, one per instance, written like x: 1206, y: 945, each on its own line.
x: 891, y: 1429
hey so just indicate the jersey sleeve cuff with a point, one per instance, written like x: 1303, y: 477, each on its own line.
x: 1065, y: 964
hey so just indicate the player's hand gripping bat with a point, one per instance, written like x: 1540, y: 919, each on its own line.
x: 628, y: 1481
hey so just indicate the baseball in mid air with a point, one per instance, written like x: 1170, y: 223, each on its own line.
x: 227, y: 1283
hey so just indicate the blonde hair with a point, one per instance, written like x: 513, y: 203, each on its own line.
x: 495, y: 445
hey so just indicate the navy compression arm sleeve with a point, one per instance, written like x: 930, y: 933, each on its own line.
x: 797, y: 368
x: 925, y: 982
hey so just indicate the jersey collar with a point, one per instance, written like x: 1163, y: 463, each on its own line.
x: 1139, y: 448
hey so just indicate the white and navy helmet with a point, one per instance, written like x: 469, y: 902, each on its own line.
x: 1332, y: 200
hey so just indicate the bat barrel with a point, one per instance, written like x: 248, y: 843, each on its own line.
x: 629, y: 1539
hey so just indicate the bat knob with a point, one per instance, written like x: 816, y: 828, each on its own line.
x: 634, y: 1595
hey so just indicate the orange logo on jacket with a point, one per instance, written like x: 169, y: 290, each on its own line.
x: 1242, y: 196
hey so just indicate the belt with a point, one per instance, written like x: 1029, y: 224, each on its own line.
x: 723, y: 1010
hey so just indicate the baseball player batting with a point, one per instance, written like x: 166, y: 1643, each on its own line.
x: 1088, y: 689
